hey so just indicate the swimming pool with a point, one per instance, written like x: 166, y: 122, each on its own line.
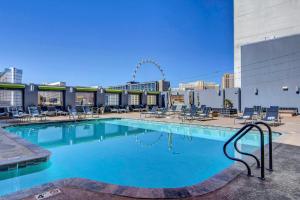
x: 125, y: 152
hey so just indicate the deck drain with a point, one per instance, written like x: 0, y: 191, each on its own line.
x: 48, y: 194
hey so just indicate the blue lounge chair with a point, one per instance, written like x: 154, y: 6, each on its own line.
x: 190, y: 114
x: 87, y: 110
x: 73, y: 113
x: 150, y: 113
x: 162, y: 113
x: 3, y: 112
x: 272, y: 116
x: 16, y: 114
x: 35, y: 113
x: 205, y: 114
x: 123, y: 109
x: 247, y: 115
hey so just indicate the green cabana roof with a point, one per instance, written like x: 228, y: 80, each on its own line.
x: 86, y: 89
x: 51, y: 88
x: 135, y: 92
x: 113, y: 91
x: 11, y: 86
x: 153, y: 92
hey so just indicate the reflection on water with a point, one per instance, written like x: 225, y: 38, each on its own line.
x: 71, y: 134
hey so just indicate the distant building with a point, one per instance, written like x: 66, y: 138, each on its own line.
x: 59, y: 83
x: 144, y: 86
x: 198, y: 85
x: 11, y: 75
x: 228, y: 81
x: 257, y: 20
x: 11, y: 97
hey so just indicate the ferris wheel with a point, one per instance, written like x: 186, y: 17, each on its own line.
x: 148, y: 61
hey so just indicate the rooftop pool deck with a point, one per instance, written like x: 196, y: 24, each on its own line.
x: 201, y: 188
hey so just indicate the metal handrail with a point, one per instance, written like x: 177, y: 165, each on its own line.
x: 270, y: 143
x: 270, y: 146
x: 245, y: 153
x: 243, y: 131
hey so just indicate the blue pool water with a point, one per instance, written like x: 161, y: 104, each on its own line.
x: 125, y: 152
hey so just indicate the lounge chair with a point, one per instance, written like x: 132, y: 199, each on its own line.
x: 73, y: 113
x: 34, y: 112
x: 3, y: 112
x: 59, y: 110
x: 272, y: 116
x: 114, y: 109
x: 15, y: 114
x: 162, y: 113
x: 172, y: 110
x: 87, y: 111
x: 205, y: 114
x: 201, y: 109
x: 247, y: 115
x: 152, y: 112
x: 123, y: 109
x: 183, y: 111
x: 51, y: 111
x: 190, y: 114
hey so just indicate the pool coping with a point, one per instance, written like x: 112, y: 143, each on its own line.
x: 39, y: 154
x: 207, y: 186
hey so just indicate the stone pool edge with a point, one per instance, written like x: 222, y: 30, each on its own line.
x: 39, y: 154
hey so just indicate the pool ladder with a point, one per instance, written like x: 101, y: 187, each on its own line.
x: 260, y: 163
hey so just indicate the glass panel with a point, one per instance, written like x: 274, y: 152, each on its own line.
x: 11, y: 98
x: 112, y: 99
x: 47, y: 98
x: 85, y: 98
x: 151, y: 100
x: 134, y: 99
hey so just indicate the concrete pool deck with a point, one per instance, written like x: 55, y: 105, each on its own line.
x: 283, y: 183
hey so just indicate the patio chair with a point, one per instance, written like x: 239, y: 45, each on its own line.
x: 3, y: 112
x: 34, y: 112
x: 201, y: 109
x: 123, y: 109
x: 150, y: 113
x: 272, y: 116
x: 73, y: 113
x: 205, y: 115
x: 162, y: 113
x: 15, y: 114
x: 247, y: 115
x: 43, y: 109
x: 190, y: 114
x: 60, y: 111
x: 114, y: 109
x: 51, y: 111
x: 87, y: 110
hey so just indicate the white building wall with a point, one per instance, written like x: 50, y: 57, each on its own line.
x: 259, y: 20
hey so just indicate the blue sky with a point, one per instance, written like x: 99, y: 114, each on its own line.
x: 99, y: 42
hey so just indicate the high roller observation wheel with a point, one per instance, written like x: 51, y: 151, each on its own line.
x: 148, y: 61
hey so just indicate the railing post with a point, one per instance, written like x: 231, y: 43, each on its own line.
x: 262, y: 154
x: 270, y: 145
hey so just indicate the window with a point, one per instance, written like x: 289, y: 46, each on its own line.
x: 47, y: 98
x: 85, y: 98
x: 112, y: 99
x: 11, y: 98
x: 134, y: 99
x: 151, y: 100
